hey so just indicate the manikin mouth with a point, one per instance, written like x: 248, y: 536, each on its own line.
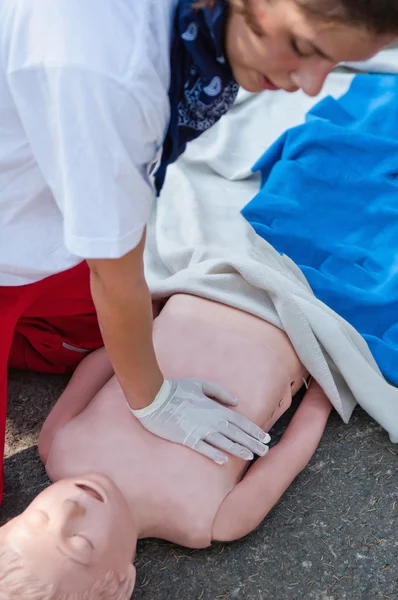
x: 93, y: 490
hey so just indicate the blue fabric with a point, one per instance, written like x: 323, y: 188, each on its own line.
x: 329, y: 200
x: 202, y: 87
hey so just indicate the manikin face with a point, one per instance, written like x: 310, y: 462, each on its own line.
x: 75, y: 532
x: 275, y: 44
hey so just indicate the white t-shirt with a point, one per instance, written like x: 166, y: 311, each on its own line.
x: 83, y: 113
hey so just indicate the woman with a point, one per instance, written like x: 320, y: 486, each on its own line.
x: 89, y: 109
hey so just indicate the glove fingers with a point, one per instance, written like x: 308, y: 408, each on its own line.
x: 218, y: 393
x: 248, y: 427
x: 220, y: 441
x: 202, y: 448
x: 236, y: 434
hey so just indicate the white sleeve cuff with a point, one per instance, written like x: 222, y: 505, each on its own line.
x: 103, y: 247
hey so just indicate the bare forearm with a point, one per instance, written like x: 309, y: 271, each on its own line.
x: 124, y: 309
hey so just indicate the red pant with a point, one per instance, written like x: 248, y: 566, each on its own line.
x: 48, y: 326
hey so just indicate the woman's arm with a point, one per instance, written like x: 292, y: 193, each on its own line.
x: 123, y: 302
x: 267, y: 480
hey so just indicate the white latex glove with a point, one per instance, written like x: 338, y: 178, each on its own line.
x: 183, y: 413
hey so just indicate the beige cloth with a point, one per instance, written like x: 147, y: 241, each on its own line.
x: 198, y: 243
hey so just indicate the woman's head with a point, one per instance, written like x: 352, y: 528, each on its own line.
x: 293, y: 44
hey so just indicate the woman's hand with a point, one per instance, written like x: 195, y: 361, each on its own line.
x: 183, y: 412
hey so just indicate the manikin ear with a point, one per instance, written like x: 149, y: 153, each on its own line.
x: 131, y: 577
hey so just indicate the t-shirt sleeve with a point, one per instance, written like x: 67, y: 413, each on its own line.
x: 92, y: 139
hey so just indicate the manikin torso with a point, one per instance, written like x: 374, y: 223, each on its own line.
x: 173, y: 492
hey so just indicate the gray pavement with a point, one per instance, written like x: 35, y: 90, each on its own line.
x: 334, y: 535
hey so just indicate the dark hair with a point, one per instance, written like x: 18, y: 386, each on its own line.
x: 378, y: 16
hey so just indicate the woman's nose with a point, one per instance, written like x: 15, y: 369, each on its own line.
x: 311, y: 74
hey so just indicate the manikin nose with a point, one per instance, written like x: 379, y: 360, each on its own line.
x: 73, y: 509
x: 311, y: 77
x: 70, y: 509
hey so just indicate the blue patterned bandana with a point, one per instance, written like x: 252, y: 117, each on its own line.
x: 202, y: 87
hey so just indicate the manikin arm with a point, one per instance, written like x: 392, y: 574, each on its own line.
x: 267, y: 480
x: 90, y: 376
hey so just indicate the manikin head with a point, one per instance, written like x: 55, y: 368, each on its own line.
x: 295, y: 44
x: 76, y: 541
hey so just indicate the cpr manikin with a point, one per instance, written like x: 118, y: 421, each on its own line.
x: 116, y: 482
